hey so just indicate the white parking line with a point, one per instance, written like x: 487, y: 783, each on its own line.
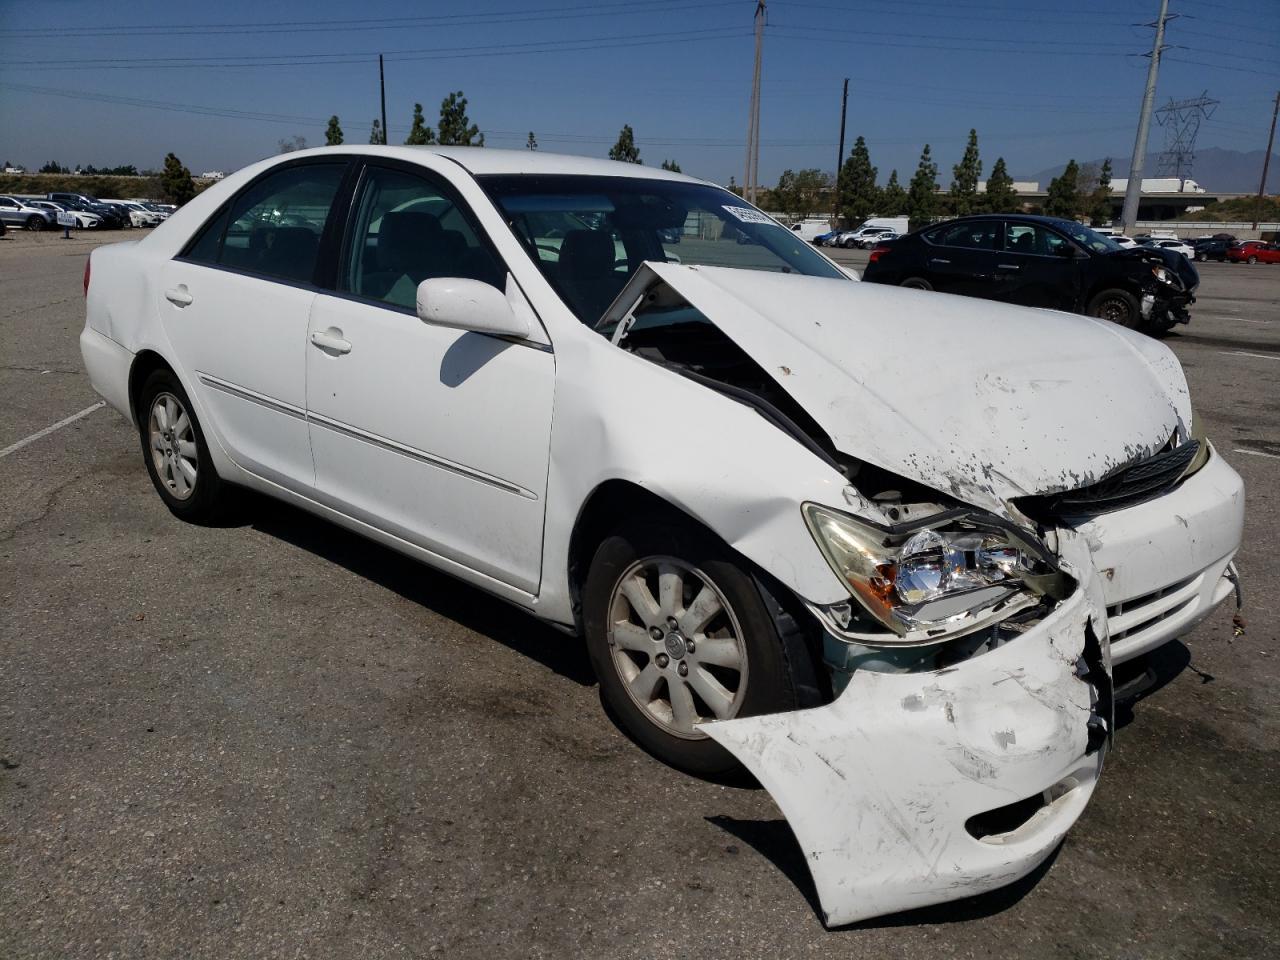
x: 15, y: 447
x: 1241, y: 353
x: 1257, y: 453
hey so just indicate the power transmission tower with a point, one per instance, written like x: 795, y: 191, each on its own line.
x: 1266, y: 162
x: 1181, y: 122
x: 1133, y: 189
x: 753, y: 122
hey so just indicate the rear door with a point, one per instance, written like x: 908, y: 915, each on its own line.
x: 235, y: 304
x: 1037, y: 267
x: 960, y: 257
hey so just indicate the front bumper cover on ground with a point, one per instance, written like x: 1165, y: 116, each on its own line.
x: 881, y: 787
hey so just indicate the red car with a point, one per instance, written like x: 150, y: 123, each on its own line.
x: 1254, y: 251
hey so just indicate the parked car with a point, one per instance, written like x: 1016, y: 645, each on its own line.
x: 85, y: 219
x: 855, y: 555
x: 854, y: 238
x: 827, y: 239
x: 1042, y: 262
x: 874, y: 239
x: 109, y: 217
x: 139, y: 216
x: 1254, y: 251
x: 1178, y: 246
x: 1209, y: 248
x: 20, y: 213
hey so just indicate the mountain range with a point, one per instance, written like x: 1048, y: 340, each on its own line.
x: 1215, y: 169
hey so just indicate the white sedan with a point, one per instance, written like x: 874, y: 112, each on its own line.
x: 1177, y: 246
x: 841, y: 533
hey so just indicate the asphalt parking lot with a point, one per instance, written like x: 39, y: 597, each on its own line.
x: 275, y: 739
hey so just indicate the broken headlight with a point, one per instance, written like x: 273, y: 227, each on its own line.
x: 933, y: 580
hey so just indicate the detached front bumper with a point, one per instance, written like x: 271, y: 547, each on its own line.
x: 917, y: 788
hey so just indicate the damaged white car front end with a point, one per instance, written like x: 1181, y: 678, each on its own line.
x: 971, y: 661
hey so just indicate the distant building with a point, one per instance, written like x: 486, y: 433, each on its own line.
x: 14, y: 170
x: 1019, y: 186
x: 212, y: 175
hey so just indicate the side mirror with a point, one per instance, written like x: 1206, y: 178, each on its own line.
x: 469, y: 305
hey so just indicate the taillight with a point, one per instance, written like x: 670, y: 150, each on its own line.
x: 87, y: 261
x: 876, y: 253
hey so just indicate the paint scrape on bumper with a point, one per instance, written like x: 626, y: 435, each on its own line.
x: 912, y: 789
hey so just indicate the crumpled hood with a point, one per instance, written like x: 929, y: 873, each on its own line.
x: 982, y: 400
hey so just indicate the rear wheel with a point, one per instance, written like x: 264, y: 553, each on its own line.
x: 175, y: 452
x: 916, y: 283
x: 1119, y: 306
x: 679, y: 636
x: 35, y: 223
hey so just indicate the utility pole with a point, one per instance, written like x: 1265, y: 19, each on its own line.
x: 753, y: 121
x: 844, y: 112
x: 1266, y: 163
x: 1133, y: 189
x: 382, y: 85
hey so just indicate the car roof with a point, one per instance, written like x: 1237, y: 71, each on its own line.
x: 482, y: 161
x: 1060, y: 222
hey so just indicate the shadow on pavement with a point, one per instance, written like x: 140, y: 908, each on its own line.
x: 1140, y: 678
x: 418, y: 583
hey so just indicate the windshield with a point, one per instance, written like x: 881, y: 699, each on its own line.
x: 588, y: 235
x: 1088, y: 238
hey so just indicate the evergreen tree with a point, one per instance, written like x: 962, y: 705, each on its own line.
x: 54, y: 167
x: 1100, y: 199
x: 858, y: 194
x: 965, y: 175
x: 1063, y: 196
x: 333, y: 133
x: 456, y: 129
x: 175, y: 182
x: 625, y: 149
x: 784, y: 194
x: 377, y: 134
x: 810, y: 185
x: 922, y: 195
x: 419, y: 132
x: 893, y: 199
x: 532, y: 142
x: 672, y: 166
x: 1001, y: 197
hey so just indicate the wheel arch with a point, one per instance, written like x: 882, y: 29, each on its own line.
x: 144, y: 364
x: 796, y: 627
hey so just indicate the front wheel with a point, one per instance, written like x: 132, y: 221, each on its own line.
x: 1251, y: 261
x: 35, y: 223
x: 679, y: 636
x: 1118, y: 306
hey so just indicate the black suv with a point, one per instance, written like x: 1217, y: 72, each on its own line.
x: 1042, y: 262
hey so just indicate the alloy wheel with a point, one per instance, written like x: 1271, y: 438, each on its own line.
x: 172, y: 440
x: 677, y: 645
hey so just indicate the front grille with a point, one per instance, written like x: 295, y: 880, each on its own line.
x: 1126, y: 487
x: 1131, y: 617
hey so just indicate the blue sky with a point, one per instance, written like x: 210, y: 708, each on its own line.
x: 220, y: 83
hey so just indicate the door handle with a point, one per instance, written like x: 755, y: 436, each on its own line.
x: 1007, y: 266
x: 178, y: 296
x: 331, y: 341
x: 939, y: 260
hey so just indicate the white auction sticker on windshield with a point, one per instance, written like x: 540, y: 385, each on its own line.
x: 747, y: 215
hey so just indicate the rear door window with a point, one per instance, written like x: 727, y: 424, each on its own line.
x: 972, y: 235
x: 273, y: 228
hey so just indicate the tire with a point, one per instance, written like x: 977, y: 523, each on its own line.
x: 176, y: 454
x: 639, y: 657
x: 916, y: 283
x: 1119, y: 306
x: 1201, y: 257
x: 35, y: 223
x: 1251, y: 261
